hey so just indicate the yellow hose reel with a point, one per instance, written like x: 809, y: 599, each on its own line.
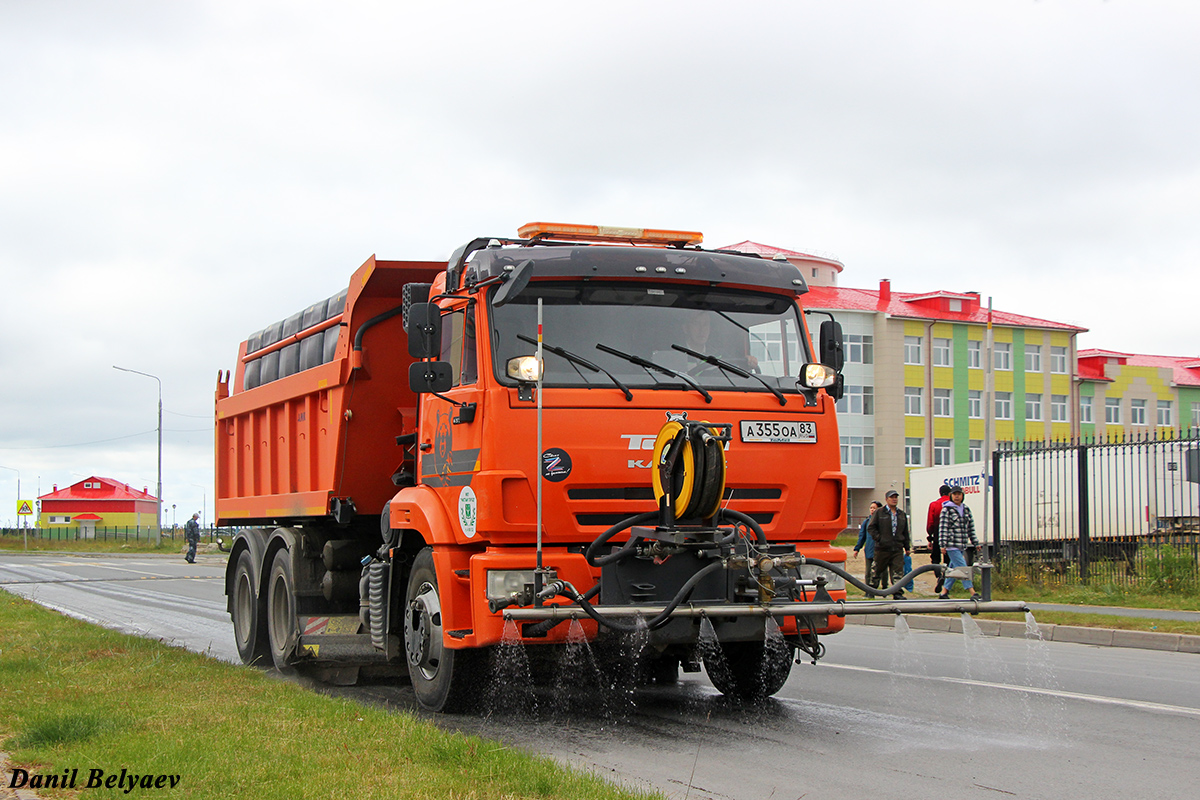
x: 689, y: 468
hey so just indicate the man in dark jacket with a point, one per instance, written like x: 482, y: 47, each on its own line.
x: 889, y: 529
x: 191, y: 532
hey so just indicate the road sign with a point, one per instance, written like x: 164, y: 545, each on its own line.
x: 25, y: 508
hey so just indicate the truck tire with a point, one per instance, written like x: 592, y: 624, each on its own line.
x: 749, y: 675
x: 249, y: 630
x: 442, y: 679
x: 281, y: 611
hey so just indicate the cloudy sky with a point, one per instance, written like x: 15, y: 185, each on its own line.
x: 175, y: 176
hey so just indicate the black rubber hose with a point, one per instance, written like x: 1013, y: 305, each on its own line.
x: 836, y: 570
x: 373, y: 321
x: 656, y: 621
x: 748, y: 521
x: 629, y: 522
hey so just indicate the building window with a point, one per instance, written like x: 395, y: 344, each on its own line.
x: 912, y: 452
x: 1164, y: 413
x: 1058, y: 408
x: 941, y: 452
x: 975, y: 450
x: 912, y: 350
x: 941, y: 403
x: 941, y: 352
x: 1033, y: 358
x: 1004, y: 405
x: 1002, y: 356
x: 1085, y: 410
x: 1112, y: 411
x: 1137, y: 412
x: 975, y: 404
x: 1033, y: 407
x: 858, y: 451
x: 857, y: 400
x: 974, y: 355
x: 860, y: 348
x: 1058, y: 360
x: 1196, y: 415
x: 914, y: 405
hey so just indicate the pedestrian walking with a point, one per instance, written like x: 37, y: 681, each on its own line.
x: 956, y: 532
x: 889, y: 528
x: 191, y: 532
x: 867, y: 545
x: 932, y: 520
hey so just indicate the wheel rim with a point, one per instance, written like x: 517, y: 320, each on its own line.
x: 423, y: 631
x: 280, y: 611
x: 243, y: 599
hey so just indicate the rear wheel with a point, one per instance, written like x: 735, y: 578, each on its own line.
x: 281, y: 611
x: 751, y: 670
x: 442, y: 679
x: 249, y: 631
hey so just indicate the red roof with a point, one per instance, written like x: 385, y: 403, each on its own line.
x: 770, y: 252
x: 1185, y: 370
x: 107, y: 489
x: 91, y: 517
x: 939, y: 305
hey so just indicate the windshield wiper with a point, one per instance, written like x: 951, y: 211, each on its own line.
x: 736, y: 370
x: 644, y: 364
x: 583, y: 362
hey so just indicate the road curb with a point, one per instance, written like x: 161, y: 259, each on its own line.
x: 1102, y: 637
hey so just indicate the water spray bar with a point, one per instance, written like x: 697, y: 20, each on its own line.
x: 837, y: 608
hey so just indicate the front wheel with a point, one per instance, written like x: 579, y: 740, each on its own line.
x: 442, y: 679
x: 750, y: 670
x: 249, y: 629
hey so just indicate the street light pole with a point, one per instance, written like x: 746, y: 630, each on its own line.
x: 25, y: 529
x: 158, y: 499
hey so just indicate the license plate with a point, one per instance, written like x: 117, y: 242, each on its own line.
x: 754, y: 430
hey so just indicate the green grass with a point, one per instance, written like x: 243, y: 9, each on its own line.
x: 73, y: 695
x: 1082, y: 620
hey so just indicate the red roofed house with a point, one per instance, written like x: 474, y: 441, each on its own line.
x: 1127, y: 393
x: 915, y: 379
x: 97, y: 502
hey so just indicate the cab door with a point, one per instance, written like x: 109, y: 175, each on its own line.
x: 456, y: 419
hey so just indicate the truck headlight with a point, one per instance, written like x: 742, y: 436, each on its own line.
x: 833, y: 581
x: 523, y: 368
x: 817, y: 376
x: 502, y: 584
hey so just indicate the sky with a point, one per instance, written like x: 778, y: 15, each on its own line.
x: 175, y: 176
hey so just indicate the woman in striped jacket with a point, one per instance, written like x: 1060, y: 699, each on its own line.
x: 956, y: 531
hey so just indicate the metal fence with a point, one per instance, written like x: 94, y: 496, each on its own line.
x: 1121, y: 511
x: 116, y: 533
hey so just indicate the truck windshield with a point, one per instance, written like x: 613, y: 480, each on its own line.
x: 758, y: 332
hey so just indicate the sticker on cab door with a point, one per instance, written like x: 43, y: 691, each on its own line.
x: 468, y: 507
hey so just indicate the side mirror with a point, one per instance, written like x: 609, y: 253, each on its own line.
x: 423, y: 325
x: 430, y: 377
x: 518, y: 279
x: 832, y: 351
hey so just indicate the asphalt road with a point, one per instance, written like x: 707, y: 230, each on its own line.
x: 885, y: 714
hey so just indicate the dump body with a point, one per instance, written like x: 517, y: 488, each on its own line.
x: 300, y: 427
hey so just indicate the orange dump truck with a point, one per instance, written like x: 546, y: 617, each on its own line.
x: 606, y: 425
